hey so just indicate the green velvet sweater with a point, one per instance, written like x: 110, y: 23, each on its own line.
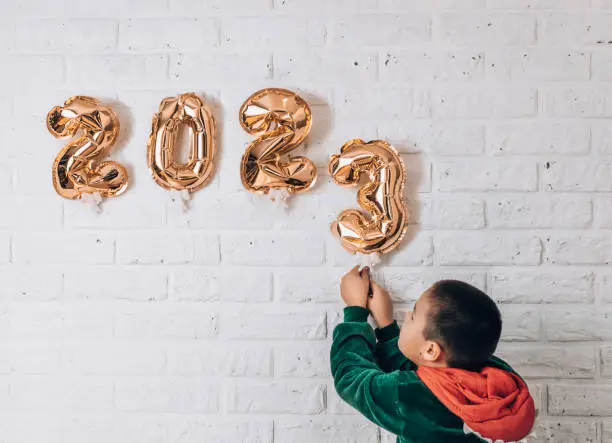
x: 375, y: 378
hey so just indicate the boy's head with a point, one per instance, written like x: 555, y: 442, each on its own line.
x: 452, y: 324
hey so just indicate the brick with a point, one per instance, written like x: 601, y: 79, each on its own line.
x: 436, y: 138
x: 381, y: 102
x: 471, y: 102
x: 605, y: 358
x: 582, y: 249
x: 6, y: 178
x: 302, y: 361
x: 539, y: 211
x: 337, y: 406
x: 53, y: 393
x: 25, y: 71
x: 537, y: 4
x: 184, y: 395
x: 112, y: 283
x: 578, y: 175
x: 220, y: 429
x: 575, y: 28
x: 380, y: 30
x: 434, y: 5
x: 59, y: 321
x: 24, y: 213
x: 219, y: 6
x: 443, y: 212
x: 198, y: 69
x: 227, y: 284
x: 487, y: 175
x: 305, y: 398
x: 5, y: 247
x: 418, y: 173
x: 157, y: 247
x: 568, y: 286
x: 276, y: 32
x: 325, y: 430
x: 129, y: 71
x: 405, y: 66
x: 604, y: 287
x: 30, y: 283
x: 574, y: 400
x: 166, y: 321
x: 520, y: 324
x: 546, y: 361
x: 307, y: 285
x: 539, y: 64
x: 324, y: 68
x: 113, y: 358
x: 579, y: 100
x: 578, y: 324
x: 168, y: 35
x: 55, y: 247
x: 538, y: 137
x: 47, y: 36
x: 500, y: 29
x: 601, y: 137
x: 40, y: 8
x: 603, y: 212
x: 193, y: 358
x: 566, y: 432
x: 267, y: 249
x: 405, y: 286
x: 274, y: 322
x: 30, y: 358
x: 314, y: 6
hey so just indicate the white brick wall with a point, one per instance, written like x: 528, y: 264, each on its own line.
x: 145, y: 324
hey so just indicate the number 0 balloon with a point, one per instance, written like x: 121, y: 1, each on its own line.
x: 77, y: 170
x: 281, y: 119
x: 186, y: 109
x: 384, y: 225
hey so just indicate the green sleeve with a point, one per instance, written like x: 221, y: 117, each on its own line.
x: 357, y: 377
x: 387, y: 352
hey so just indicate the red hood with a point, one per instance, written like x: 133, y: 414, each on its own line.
x: 493, y: 402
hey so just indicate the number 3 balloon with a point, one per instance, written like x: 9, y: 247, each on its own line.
x: 281, y: 119
x: 186, y: 109
x: 384, y: 225
x: 77, y: 170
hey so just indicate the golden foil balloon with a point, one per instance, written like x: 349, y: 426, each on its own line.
x: 77, y: 170
x: 281, y: 119
x: 186, y: 109
x: 382, y: 227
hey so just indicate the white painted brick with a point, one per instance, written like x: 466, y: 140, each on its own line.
x: 30, y: 283
x: 520, y: 323
x: 381, y: 102
x: 113, y: 358
x: 539, y: 211
x: 314, y: 6
x: 602, y: 4
x: 484, y: 250
x: 575, y: 28
x: 303, y: 398
x: 482, y: 102
x: 603, y: 212
x: 112, y: 283
x: 30, y: 358
x: 128, y: 71
x: 5, y: 247
x: 537, y: 4
x: 302, y: 361
x: 489, y: 28
x: 325, y: 430
x: 418, y: 173
x: 436, y: 138
x: 605, y: 357
x: 324, y: 68
x: 55, y: 247
x: 539, y: 64
x: 538, y: 137
x: 155, y: 247
x: 486, y: 174
x: 59, y: 321
x: 47, y: 36
x: 547, y: 361
x: 277, y: 32
x: 25, y: 213
x: 585, y: 249
x: 405, y: 66
x: 163, y: 35
x: 25, y: 71
x: 604, y: 287
x: 283, y: 248
x: 578, y: 324
x: 337, y: 406
x: 380, y: 30
x: 542, y: 287
x: 228, y: 284
x: 306, y: 285
x: 214, y: 360
x: 577, y: 175
x: 406, y: 286
x: 193, y: 429
x: 112, y: 8
x: 275, y: 322
x: 448, y: 212
x: 198, y: 69
x: 166, y: 321
x: 566, y: 431
x: 155, y: 394
x: 580, y: 100
x: 601, y: 137
x: 434, y: 5
x: 219, y: 6
x: 6, y: 177
x: 573, y: 400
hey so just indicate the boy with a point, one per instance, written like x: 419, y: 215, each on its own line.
x: 436, y: 380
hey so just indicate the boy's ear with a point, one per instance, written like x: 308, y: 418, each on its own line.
x: 433, y: 352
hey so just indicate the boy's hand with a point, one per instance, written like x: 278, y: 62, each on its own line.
x: 354, y: 287
x: 380, y: 305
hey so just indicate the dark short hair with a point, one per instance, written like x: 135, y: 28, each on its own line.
x: 464, y: 321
